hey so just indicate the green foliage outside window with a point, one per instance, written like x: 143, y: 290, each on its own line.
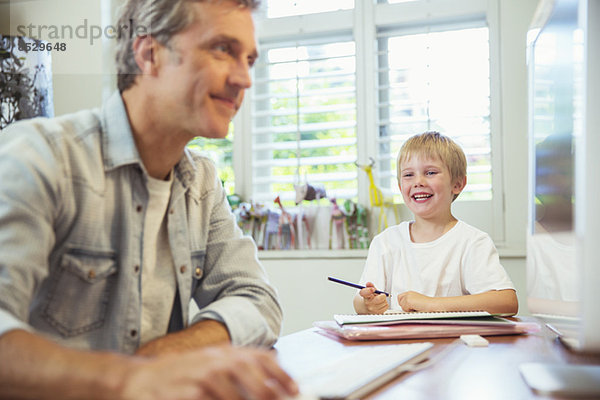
x: 221, y: 152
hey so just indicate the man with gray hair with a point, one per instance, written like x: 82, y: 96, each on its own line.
x: 110, y: 227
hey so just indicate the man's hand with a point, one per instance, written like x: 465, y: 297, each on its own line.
x: 218, y: 372
x: 374, y: 303
x: 43, y: 370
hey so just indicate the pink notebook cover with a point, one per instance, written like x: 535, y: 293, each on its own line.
x: 420, y: 330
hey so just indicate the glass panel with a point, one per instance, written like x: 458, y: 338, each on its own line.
x: 304, y: 121
x: 396, y: 1
x: 556, y: 113
x: 220, y: 151
x: 437, y: 81
x: 286, y: 8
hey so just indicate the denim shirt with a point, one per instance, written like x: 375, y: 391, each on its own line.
x: 72, y: 202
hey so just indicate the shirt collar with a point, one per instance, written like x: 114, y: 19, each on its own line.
x: 119, y: 147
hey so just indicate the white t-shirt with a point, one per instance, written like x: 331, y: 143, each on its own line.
x: 158, y: 274
x: 462, y: 261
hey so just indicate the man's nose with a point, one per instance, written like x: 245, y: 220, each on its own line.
x: 240, y: 75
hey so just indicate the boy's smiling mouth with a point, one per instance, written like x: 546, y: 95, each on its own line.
x: 421, y: 196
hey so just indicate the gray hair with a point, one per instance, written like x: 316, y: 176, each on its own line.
x: 162, y: 19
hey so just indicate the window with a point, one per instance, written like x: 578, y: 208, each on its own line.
x: 435, y: 81
x: 286, y: 8
x: 395, y: 1
x: 220, y: 151
x: 339, y: 87
x: 304, y: 118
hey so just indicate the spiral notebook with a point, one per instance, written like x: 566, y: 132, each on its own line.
x: 392, y: 318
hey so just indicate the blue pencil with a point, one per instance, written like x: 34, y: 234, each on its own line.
x: 354, y: 285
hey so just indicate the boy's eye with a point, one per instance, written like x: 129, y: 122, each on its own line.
x: 407, y: 175
x: 431, y: 172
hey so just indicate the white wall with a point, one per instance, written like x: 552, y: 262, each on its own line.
x: 305, y: 293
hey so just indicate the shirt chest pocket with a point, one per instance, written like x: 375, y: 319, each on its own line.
x: 78, y: 297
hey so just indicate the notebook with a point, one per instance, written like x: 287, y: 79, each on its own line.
x: 397, y: 317
x: 424, y: 329
x: 354, y: 375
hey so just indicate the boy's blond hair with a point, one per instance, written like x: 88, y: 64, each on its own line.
x: 435, y: 145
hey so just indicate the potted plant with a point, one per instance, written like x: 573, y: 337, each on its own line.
x: 25, y: 80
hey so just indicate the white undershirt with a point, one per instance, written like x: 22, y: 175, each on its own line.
x: 158, y: 274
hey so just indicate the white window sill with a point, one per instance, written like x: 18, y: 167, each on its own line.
x: 352, y: 254
x: 311, y: 254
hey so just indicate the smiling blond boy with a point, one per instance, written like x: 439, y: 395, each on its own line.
x: 436, y: 262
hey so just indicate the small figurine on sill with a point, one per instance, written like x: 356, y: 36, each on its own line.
x: 270, y: 230
x: 356, y: 225
x: 286, y: 234
x: 337, y: 218
x: 245, y: 220
x: 258, y: 213
x: 378, y: 198
x: 306, y: 192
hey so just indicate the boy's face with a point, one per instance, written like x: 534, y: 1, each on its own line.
x: 427, y: 188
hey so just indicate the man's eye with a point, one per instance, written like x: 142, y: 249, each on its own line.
x: 222, y: 47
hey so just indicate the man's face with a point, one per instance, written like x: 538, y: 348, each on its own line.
x: 202, y: 76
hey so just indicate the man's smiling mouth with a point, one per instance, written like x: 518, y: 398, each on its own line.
x: 229, y: 102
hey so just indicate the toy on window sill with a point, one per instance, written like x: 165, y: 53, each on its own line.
x: 270, y: 230
x: 259, y: 214
x: 356, y: 225
x: 306, y: 192
x: 245, y: 220
x: 286, y: 234
x: 377, y: 198
x: 337, y: 218
x: 252, y: 218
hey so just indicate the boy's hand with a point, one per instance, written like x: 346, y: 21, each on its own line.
x: 414, y: 301
x: 375, y: 303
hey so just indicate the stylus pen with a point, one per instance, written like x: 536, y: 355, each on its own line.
x: 354, y: 285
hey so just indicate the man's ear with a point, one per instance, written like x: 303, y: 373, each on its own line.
x: 459, y: 185
x: 144, y: 51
